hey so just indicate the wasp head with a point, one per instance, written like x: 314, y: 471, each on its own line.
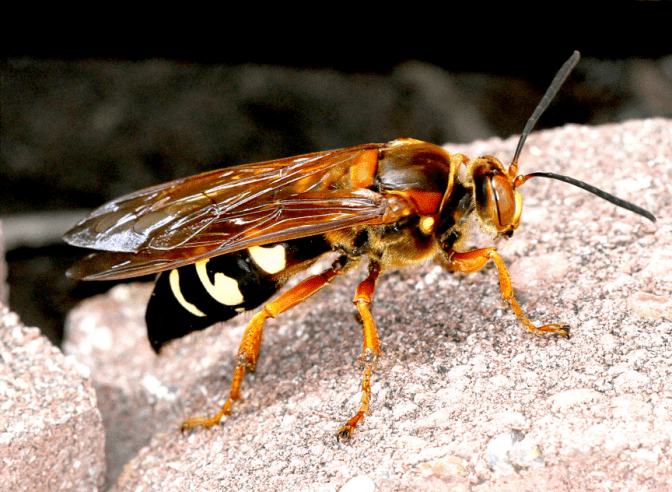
x: 498, y: 205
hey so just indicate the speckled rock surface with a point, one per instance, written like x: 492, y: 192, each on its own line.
x: 51, y: 433
x: 464, y: 398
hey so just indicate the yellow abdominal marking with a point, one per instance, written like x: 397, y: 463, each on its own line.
x: 225, y: 289
x: 174, y: 279
x: 271, y: 260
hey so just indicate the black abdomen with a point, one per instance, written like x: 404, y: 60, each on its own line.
x: 196, y: 296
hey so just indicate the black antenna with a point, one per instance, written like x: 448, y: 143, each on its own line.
x: 546, y: 101
x: 596, y: 191
x: 541, y: 107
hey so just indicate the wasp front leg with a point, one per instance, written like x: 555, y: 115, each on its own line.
x: 473, y: 261
x: 248, y: 351
x: 371, y: 351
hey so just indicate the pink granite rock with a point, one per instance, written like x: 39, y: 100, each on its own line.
x: 51, y: 433
x: 464, y: 398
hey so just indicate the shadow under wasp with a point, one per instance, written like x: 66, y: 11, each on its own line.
x: 226, y: 241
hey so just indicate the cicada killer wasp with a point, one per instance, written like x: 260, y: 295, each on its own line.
x: 225, y: 241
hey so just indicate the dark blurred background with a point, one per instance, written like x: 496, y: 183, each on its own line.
x: 83, y: 124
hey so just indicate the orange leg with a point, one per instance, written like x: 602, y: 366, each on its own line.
x: 249, y: 347
x: 371, y: 350
x: 475, y: 260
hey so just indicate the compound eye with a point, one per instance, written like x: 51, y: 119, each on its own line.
x: 498, y: 202
x: 505, y: 202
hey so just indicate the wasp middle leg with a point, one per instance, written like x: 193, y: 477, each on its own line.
x: 371, y: 351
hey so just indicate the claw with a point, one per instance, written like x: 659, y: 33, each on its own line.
x: 345, y: 433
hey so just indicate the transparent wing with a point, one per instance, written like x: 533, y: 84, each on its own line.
x: 183, y: 221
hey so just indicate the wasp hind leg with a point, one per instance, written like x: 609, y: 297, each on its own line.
x: 251, y: 343
x: 472, y: 261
